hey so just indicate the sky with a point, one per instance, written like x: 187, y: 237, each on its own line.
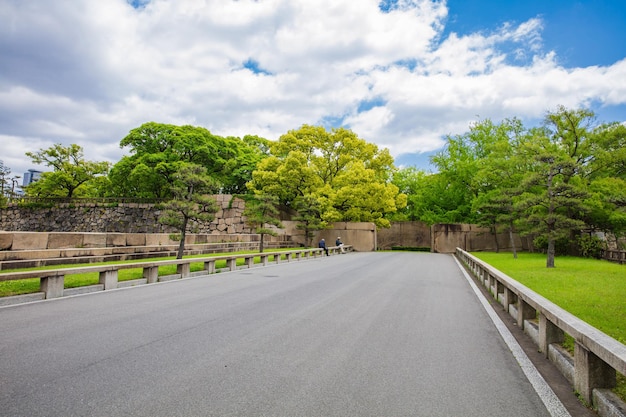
x: 402, y: 74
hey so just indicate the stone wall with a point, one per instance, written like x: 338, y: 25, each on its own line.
x: 404, y: 234
x: 123, y: 218
x: 470, y: 237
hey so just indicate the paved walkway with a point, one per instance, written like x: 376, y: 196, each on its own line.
x: 362, y: 334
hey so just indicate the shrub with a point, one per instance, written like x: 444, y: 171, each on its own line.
x: 590, y: 246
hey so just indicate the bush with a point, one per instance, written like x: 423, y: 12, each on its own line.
x: 412, y: 248
x: 590, y: 246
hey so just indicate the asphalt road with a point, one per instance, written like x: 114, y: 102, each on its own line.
x: 361, y: 334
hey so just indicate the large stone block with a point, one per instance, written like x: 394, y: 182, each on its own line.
x: 65, y: 240
x: 29, y: 241
x: 95, y: 240
x: 116, y: 239
x: 6, y: 240
x: 135, y: 239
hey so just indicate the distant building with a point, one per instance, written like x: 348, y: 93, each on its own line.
x: 31, y: 176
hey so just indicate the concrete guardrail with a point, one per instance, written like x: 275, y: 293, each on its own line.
x: 597, y: 356
x: 52, y: 280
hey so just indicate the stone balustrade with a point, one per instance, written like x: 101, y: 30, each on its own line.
x: 52, y: 281
x: 597, y: 356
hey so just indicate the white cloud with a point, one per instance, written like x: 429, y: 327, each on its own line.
x: 87, y: 72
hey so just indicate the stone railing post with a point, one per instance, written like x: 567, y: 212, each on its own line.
x: 151, y: 274
x: 52, y: 286
x: 108, y: 279
x: 591, y: 372
x: 209, y: 267
x: 524, y: 312
x: 184, y: 270
x: 548, y: 334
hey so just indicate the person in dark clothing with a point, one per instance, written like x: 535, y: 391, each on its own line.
x: 322, y: 245
x: 339, y: 244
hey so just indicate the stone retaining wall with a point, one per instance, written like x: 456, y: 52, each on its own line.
x: 123, y: 218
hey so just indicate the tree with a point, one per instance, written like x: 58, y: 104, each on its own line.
x: 261, y: 212
x: 309, y: 217
x: 5, y: 171
x: 190, y: 201
x: 158, y: 150
x: 330, y: 166
x: 553, y: 199
x: 71, y: 175
x: 500, y: 171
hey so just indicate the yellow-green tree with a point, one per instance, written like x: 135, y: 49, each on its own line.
x: 347, y: 176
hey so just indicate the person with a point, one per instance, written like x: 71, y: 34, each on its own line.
x: 339, y: 244
x: 322, y: 245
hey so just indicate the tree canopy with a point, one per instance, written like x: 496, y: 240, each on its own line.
x: 549, y: 182
x: 192, y: 201
x: 72, y: 175
x: 349, y: 178
x: 158, y: 151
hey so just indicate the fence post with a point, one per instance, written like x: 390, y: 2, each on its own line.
x: 108, y: 279
x: 52, y: 286
x: 151, y: 274
x: 591, y: 372
x: 548, y: 334
x: 509, y: 298
x: 209, y: 267
x: 524, y: 312
x: 183, y: 269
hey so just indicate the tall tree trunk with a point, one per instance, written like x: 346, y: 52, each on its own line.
x: 261, y: 242
x: 495, y: 238
x: 551, y: 250
x: 181, y: 245
x: 512, y: 243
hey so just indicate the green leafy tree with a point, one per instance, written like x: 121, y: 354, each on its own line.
x: 500, y: 171
x: 309, y: 217
x: 430, y: 198
x: 191, y: 201
x: 552, y: 204
x: 158, y: 150
x: 5, y: 185
x: 72, y: 175
x: 261, y: 212
x: 464, y: 168
x: 329, y: 166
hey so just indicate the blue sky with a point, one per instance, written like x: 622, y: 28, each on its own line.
x: 582, y: 33
x: 401, y: 73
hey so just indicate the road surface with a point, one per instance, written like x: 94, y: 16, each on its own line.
x: 361, y: 334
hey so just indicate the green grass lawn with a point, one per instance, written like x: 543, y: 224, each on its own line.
x: 27, y: 286
x: 592, y: 290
